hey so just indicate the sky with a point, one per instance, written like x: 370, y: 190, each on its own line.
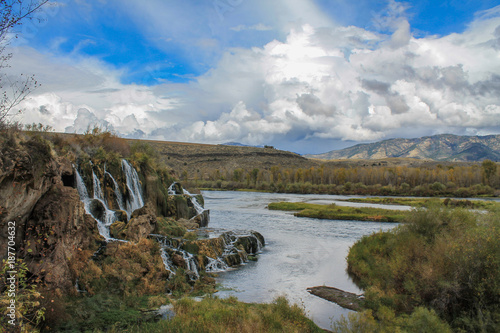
x: 308, y: 76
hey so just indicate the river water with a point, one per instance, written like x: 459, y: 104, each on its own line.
x: 299, y: 253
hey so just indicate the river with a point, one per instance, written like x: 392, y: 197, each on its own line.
x: 299, y: 253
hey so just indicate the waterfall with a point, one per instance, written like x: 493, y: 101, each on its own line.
x: 97, y: 187
x: 82, y: 191
x: 174, y: 246
x: 190, y: 262
x: 216, y: 265
x: 199, y: 208
x: 196, y: 204
x: 102, y: 224
x: 107, y: 217
x: 166, y: 261
x: 118, y: 193
x: 134, y: 188
x: 171, y: 190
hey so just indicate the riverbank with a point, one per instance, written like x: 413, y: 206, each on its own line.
x: 442, y: 263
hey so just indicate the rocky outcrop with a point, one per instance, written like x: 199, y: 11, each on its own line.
x: 213, y: 254
x: 141, y: 224
x: 36, y: 191
x: 57, y: 229
x: 184, y: 205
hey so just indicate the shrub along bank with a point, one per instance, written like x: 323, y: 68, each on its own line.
x: 443, y: 260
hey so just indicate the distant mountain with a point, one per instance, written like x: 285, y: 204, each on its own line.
x: 444, y: 147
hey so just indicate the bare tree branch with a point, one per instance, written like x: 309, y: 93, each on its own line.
x: 13, y: 91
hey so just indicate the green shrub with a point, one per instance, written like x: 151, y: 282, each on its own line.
x: 446, y: 260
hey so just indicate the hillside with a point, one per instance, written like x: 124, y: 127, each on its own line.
x: 193, y: 156
x: 444, y: 147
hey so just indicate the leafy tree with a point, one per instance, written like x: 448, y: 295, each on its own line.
x: 489, y: 169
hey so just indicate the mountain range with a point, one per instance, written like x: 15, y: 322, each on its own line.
x: 443, y: 147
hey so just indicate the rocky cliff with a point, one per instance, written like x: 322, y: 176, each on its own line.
x: 37, y: 194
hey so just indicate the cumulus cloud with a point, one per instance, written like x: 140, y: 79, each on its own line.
x: 320, y: 83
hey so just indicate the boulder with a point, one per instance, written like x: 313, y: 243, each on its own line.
x: 121, y: 215
x: 97, y: 209
x: 116, y: 229
x: 142, y: 223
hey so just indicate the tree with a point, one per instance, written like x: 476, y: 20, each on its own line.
x: 13, y: 90
x: 488, y: 170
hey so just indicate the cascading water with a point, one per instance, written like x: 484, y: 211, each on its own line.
x: 107, y: 216
x: 174, y: 246
x: 134, y: 188
x: 199, y: 208
x: 171, y: 190
x: 87, y: 201
x: 196, y: 204
x: 82, y: 190
x: 118, y: 193
x: 166, y: 261
x: 216, y: 265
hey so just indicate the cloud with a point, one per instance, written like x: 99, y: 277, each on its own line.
x: 320, y: 83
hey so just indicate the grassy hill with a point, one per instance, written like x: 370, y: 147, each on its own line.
x: 195, y: 156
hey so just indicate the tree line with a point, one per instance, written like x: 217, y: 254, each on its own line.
x: 462, y: 180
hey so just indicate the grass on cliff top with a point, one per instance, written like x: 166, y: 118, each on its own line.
x: 334, y: 212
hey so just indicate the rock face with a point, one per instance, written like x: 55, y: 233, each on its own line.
x: 36, y: 191
x: 56, y: 230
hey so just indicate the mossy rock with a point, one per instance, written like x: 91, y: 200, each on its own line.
x: 170, y: 227
x: 97, y: 209
x: 116, y: 230
x: 191, y: 247
x: 121, y: 215
x: 178, y: 207
x: 233, y: 259
x: 212, y: 247
x: 200, y: 200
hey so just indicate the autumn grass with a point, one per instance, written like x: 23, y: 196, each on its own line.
x: 113, y: 313
x: 213, y: 314
x: 334, y: 212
